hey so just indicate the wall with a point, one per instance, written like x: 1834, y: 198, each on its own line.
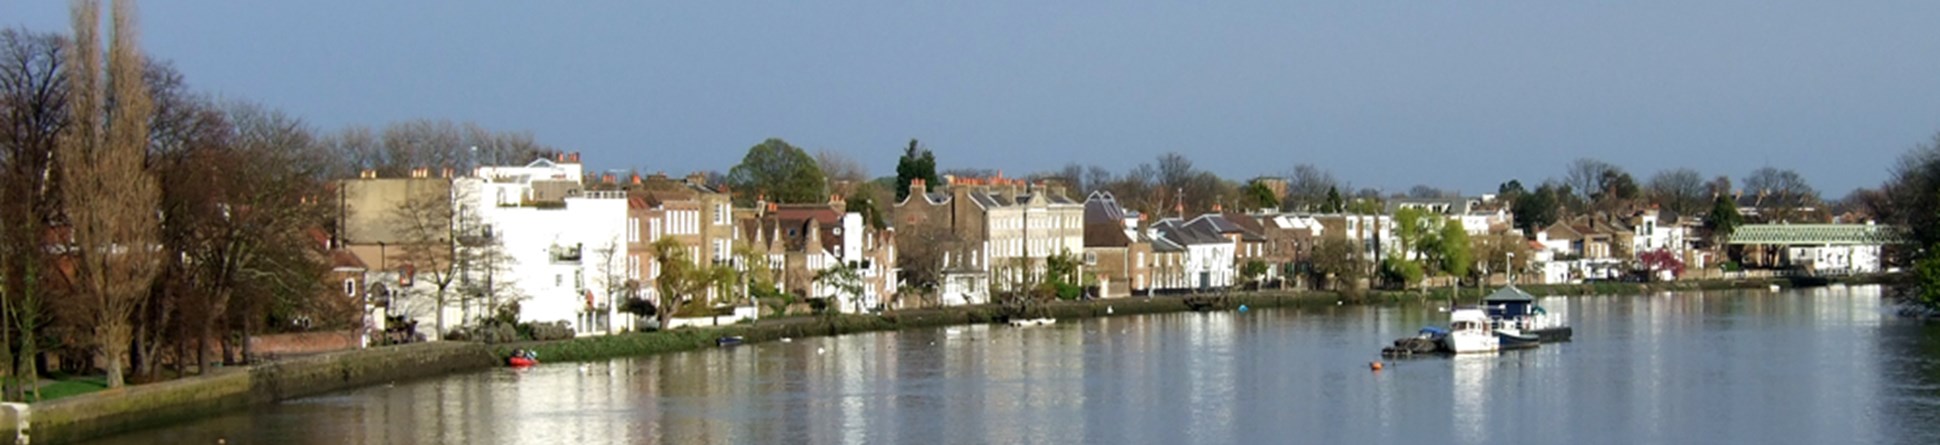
x: 130, y: 408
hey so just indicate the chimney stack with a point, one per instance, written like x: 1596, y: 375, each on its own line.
x: 636, y: 179
x: 608, y: 179
x: 918, y: 186
x: 696, y: 178
x: 445, y: 173
x: 367, y: 174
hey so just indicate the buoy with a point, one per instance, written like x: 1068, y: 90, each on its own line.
x: 820, y: 351
x: 786, y: 340
x: 582, y: 369
x: 1242, y: 308
x: 1374, y: 365
x: 1337, y: 302
x: 1107, y: 310
x: 1774, y: 288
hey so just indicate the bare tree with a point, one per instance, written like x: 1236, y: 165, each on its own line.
x: 843, y: 172
x: 33, y: 114
x: 924, y: 253
x: 613, y: 278
x: 1781, y: 195
x: 1679, y: 190
x: 111, y: 198
x: 1096, y: 178
x: 1586, y: 176
x: 1307, y: 187
x: 429, y: 226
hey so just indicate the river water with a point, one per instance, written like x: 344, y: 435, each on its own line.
x: 1814, y: 366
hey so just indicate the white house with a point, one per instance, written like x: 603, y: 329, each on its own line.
x: 1208, y: 257
x: 564, y: 248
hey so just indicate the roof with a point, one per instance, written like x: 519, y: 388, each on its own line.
x: 1106, y: 234
x: 1102, y: 207
x: 1815, y: 234
x: 1250, y: 226
x: 1174, y: 231
x: 1507, y: 295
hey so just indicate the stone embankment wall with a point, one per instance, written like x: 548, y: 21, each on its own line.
x: 130, y: 408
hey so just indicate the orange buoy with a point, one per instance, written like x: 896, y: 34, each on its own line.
x: 1374, y: 365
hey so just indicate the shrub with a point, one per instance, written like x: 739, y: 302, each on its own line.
x: 557, y: 330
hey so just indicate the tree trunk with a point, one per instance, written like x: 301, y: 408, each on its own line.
x: 112, y: 335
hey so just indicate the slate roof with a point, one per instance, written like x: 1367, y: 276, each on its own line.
x: 1176, y: 232
x: 1109, y: 234
x: 1102, y: 207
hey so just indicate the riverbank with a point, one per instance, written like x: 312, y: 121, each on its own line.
x: 646, y: 343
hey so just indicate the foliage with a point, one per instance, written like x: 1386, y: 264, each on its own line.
x: 1063, y: 268
x: 1401, y: 272
x: 1723, y: 220
x: 865, y: 201
x: 1454, y: 249
x: 1257, y: 196
x: 1340, y: 260
x: 681, y: 280
x: 1333, y: 204
x: 782, y: 172
x: 1252, y: 272
x: 916, y: 162
x: 1536, y: 210
x: 1661, y: 260
x: 844, y: 279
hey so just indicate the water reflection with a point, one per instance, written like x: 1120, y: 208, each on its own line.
x: 1810, y: 366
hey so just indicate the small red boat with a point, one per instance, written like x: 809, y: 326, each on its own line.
x: 522, y: 358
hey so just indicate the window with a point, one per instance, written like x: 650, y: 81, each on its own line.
x: 720, y: 214
x: 350, y: 287
x: 1141, y: 259
x: 633, y: 267
x: 633, y: 230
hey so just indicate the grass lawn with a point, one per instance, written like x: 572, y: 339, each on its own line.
x: 65, y: 386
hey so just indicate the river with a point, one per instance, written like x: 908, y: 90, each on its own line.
x: 1812, y: 366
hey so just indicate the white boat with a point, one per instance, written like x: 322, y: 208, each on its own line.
x: 1023, y: 322
x: 1469, y: 331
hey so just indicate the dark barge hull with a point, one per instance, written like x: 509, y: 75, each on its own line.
x: 1553, y: 335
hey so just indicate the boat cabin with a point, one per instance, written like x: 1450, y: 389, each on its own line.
x: 1510, y: 302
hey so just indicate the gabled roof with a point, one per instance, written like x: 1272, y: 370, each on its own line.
x: 1183, y: 234
x: 1102, y: 207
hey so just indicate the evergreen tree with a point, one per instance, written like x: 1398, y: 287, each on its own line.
x: 916, y: 163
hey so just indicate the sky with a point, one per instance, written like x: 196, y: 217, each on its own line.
x: 1385, y: 94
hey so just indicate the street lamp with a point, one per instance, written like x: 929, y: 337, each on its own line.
x: 1509, y: 265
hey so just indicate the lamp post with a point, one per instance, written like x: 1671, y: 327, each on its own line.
x: 1509, y: 265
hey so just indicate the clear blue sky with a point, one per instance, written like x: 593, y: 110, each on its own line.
x: 1383, y: 93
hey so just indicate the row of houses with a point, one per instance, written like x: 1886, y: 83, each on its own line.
x: 567, y: 248
x: 575, y: 249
